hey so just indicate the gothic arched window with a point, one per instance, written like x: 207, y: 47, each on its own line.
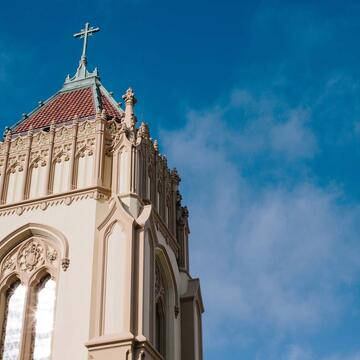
x: 13, y: 321
x: 43, y: 319
x: 160, y: 312
x: 27, y: 305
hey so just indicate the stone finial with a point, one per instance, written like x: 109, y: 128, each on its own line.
x: 144, y: 130
x: 129, y: 97
x: 130, y: 101
x: 156, y: 145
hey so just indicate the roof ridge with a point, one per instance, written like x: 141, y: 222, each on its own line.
x: 97, y: 97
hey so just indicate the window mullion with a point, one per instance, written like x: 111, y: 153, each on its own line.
x: 25, y: 343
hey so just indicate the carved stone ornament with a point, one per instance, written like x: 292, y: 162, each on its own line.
x: 31, y: 256
x: 86, y: 129
x: 19, y: 210
x: 42, y: 139
x: 9, y: 263
x: 44, y: 205
x: 52, y: 255
x: 65, y: 263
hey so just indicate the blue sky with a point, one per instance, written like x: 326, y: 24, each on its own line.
x: 257, y: 104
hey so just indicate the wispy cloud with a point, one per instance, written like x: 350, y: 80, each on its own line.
x: 296, y: 352
x: 272, y: 258
x: 269, y: 124
x: 344, y: 357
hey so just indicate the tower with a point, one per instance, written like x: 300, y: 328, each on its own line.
x: 94, y: 257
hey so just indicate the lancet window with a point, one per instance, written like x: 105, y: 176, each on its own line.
x: 13, y: 320
x: 28, y: 292
x: 160, y: 312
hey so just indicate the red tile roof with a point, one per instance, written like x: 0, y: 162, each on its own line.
x: 65, y: 106
x: 109, y: 108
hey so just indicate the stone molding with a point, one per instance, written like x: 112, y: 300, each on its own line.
x: 43, y: 203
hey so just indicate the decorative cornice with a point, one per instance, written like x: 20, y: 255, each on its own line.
x: 43, y: 203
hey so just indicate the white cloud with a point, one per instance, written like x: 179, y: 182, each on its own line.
x: 270, y: 258
x: 344, y: 357
x: 296, y: 352
x: 269, y: 124
x: 293, y: 138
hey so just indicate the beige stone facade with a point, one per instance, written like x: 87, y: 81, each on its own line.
x: 92, y: 203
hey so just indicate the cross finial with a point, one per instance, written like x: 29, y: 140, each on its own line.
x: 84, y: 34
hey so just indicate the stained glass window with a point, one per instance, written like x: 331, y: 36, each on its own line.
x: 44, y: 320
x: 13, y: 321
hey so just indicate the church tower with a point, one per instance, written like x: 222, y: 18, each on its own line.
x: 94, y: 259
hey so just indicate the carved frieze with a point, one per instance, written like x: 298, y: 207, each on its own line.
x: 85, y: 147
x: 86, y: 129
x: 41, y: 139
x: 62, y: 152
x: 16, y: 163
x: 19, y: 144
x: 63, y: 134
x: 39, y: 158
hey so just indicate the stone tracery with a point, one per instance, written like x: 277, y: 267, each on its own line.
x: 30, y: 265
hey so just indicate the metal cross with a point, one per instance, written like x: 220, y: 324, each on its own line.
x: 83, y: 34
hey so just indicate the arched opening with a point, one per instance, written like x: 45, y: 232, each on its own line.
x: 60, y: 173
x: 84, y: 164
x: 30, y: 261
x: 37, y: 179
x: 160, y: 312
x: 165, y: 305
x: 43, y: 321
x: 13, y: 184
x: 13, y: 321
